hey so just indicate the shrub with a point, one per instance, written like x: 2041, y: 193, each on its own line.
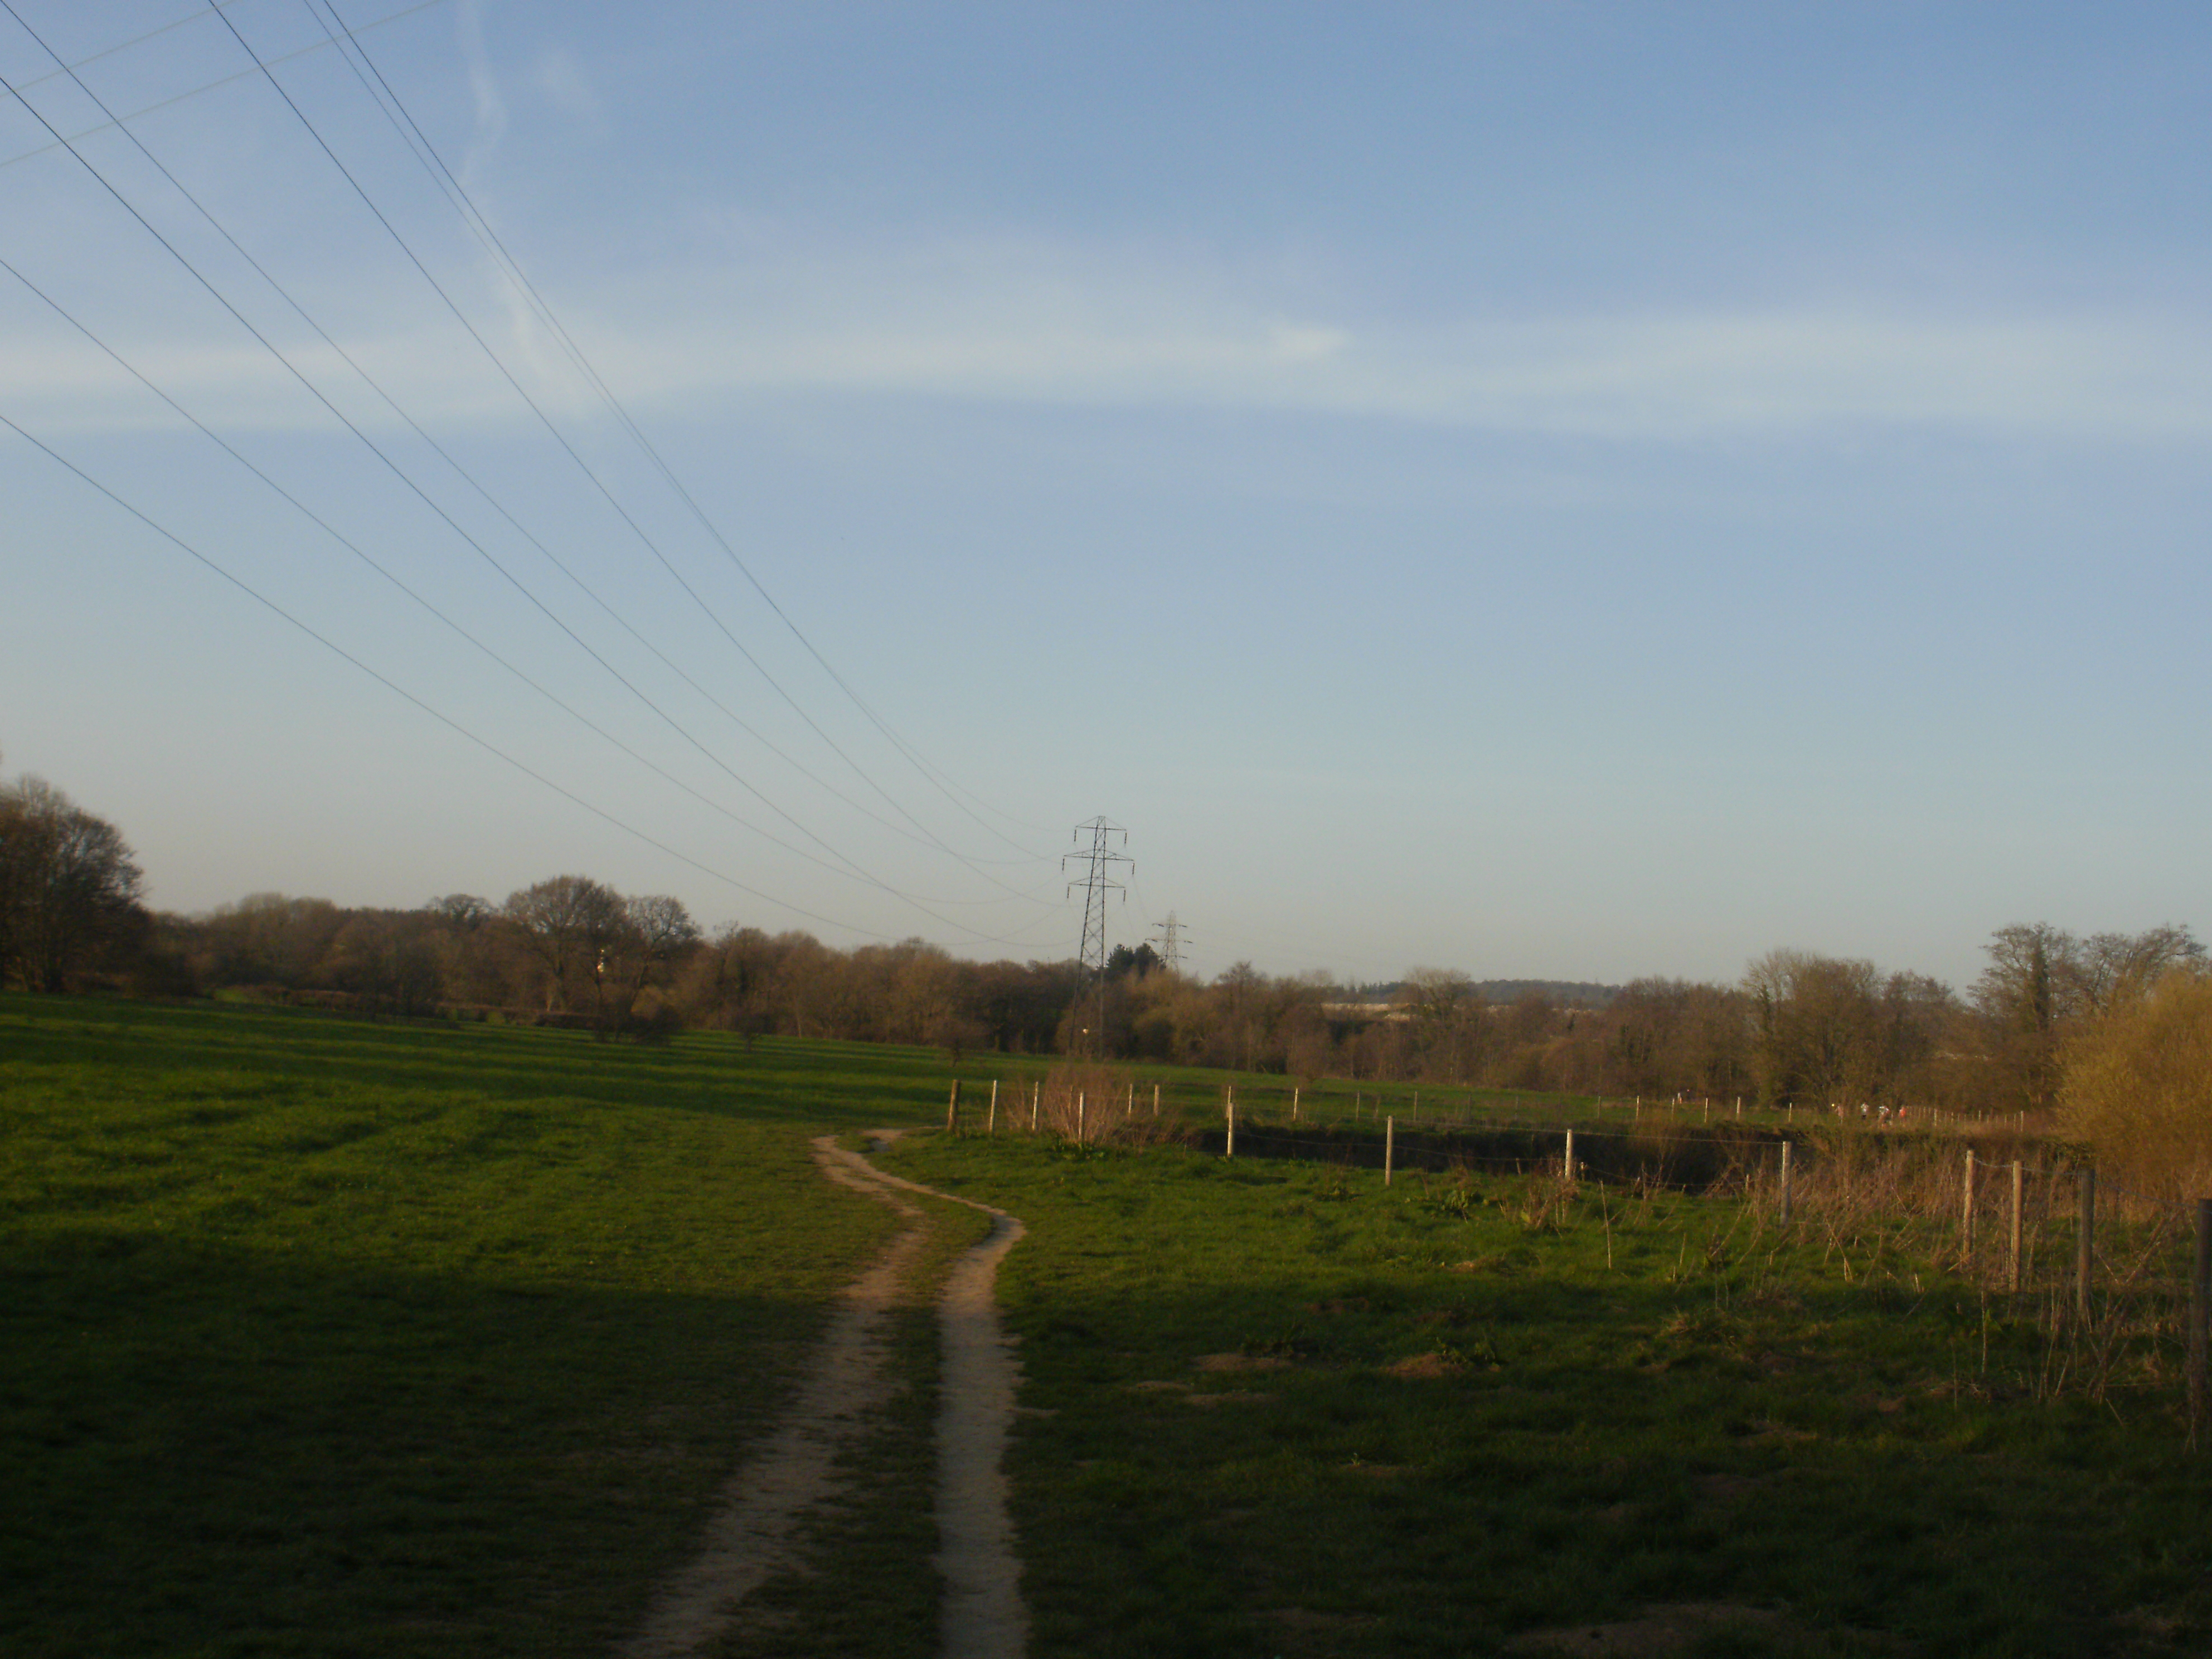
x: 2137, y: 1087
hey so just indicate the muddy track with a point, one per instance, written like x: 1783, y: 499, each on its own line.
x: 755, y: 1532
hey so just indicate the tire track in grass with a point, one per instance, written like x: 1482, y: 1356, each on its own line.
x: 984, y: 1616
x: 755, y: 1532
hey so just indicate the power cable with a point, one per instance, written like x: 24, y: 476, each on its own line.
x: 353, y: 548
x: 544, y: 419
x: 443, y: 720
x: 473, y: 216
x: 400, y: 473
x: 190, y: 92
x: 471, y: 479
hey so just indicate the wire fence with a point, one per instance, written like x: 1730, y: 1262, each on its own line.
x: 2118, y: 1280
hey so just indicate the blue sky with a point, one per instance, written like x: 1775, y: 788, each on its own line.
x: 1547, y: 489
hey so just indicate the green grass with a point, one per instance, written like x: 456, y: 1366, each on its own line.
x: 322, y: 1337
x: 1469, y: 1412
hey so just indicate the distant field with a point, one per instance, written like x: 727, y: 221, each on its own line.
x: 1283, y: 1411
x: 325, y: 1337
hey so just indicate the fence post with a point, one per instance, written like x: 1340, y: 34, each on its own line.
x: 2087, y: 1242
x: 2200, y: 1292
x: 2016, y: 1264
x: 1389, y: 1147
x: 1567, y: 1164
x: 991, y: 1123
x: 952, y: 1109
x: 1294, y: 1103
x: 1966, y: 1209
x: 1785, y: 1184
x: 1080, y: 1103
x: 1036, y: 1097
x: 1229, y: 1149
x: 1156, y: 1100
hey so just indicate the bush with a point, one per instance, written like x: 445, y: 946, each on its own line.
x: 2137, y: 1088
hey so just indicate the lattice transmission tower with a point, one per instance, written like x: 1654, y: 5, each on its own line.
x: 1172, y: 938
x: 1096, y: 882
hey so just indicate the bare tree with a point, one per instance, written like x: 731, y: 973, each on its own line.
x: 1817, y: 1027
x: 68, y: 887
x: 570, y: 924
x: 657, y: 931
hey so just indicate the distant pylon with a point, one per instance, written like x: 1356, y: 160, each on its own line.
x: 1096, y: 882
x: 1172, y: 938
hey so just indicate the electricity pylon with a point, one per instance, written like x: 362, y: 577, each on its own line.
x: 1171, y: 943
x: 1096, y: 882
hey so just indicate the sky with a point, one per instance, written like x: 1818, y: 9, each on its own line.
x: 1550, y: 489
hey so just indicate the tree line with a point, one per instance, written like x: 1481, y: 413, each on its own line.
x: 1797, y: 1027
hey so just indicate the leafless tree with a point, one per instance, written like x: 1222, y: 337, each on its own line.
x: 570, y: 924
x: 68, y: 887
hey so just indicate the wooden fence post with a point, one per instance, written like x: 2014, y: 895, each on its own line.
x: 1036, y: 1098
x: 2085, y: 1244
x: 952, y: 1109
x: 2200, y: 1294
x: 1966, y: 1209
x: 1567, y: 1164
x: 1156, y: 1100
x: 1229, y: 1149
x: 2017, y: 1266
x: 1294, y: 1103
x: 1389, y: 1147
x: 991, y: 1123
x: 1080, y: 1103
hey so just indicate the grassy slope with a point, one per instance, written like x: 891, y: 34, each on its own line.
x: 319, y: 1337
x: 1716, y: 1416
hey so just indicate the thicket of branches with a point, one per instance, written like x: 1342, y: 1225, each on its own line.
x: 2115, y: 1028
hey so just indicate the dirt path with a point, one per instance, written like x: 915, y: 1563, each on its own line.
x: 984, y: 1615
x: 752, y: 1536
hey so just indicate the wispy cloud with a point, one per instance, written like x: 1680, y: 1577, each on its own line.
x: 483, y: 89
x: 1019, y: 323
x: 1026, y: 323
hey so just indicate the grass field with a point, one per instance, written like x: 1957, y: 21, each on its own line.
x: 319, y: 1337
x: 1294, y: 1413
x: 322, y: 1337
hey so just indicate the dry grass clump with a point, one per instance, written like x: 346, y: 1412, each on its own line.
x: 1094, y: 1103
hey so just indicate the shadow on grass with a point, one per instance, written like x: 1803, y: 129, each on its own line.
x: 220, y: 1451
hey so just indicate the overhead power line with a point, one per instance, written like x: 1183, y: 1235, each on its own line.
x: 160, y: 104
x: 850, y: 866
x: 560, y: 438
x: 474, y: 217
x: 470, y: 478
x: 444, y: 720
x: 392, y: 577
